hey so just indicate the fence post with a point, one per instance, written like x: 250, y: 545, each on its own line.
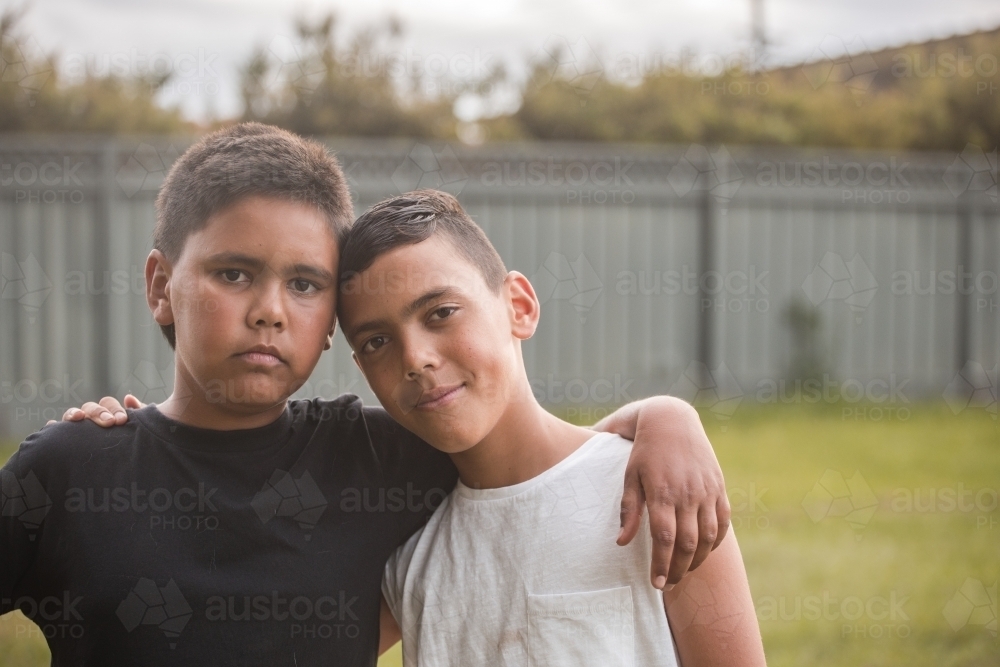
x: 706, y: 248
x: 102, y: 260
x: 962, y: 343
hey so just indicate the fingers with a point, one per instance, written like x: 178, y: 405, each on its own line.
x: 685, y: 545
x: 72, y: 415
x: 663, y: 528
x: 132, y: 402
x: 631, y: 511
x: 111, y: 404
x: 98, y: 414
x: 707, y: 531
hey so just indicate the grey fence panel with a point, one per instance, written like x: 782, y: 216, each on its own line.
x: 661, y: 269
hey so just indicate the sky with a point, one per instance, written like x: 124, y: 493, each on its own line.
x: 205, y: 42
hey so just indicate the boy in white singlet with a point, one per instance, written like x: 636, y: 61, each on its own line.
x: 514, y: 568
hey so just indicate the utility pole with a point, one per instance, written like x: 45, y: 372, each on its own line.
x: 758, y: 35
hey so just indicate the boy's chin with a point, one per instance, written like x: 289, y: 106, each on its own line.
x: 449, y: 440
x: 249, y: 394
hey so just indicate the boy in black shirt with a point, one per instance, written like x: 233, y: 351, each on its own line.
x: 227, y: 524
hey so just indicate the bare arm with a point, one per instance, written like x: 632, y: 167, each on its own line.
x: 388, y: 629
x: 711, y: 613
x: 674, y: 472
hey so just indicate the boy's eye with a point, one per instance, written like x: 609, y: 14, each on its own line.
x: 304, y: 286
x: 373, y: 343
x: 234, y: 275
x: 442, y: 312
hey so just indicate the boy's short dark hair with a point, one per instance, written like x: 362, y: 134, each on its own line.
x: 414, y: 217
x: 245, y: 160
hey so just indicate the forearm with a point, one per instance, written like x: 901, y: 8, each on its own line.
x: 389, y: 632
x: 657, y: 411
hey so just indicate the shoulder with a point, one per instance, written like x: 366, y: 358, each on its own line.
x: 405, y: 456
x: 66, y: 445
x: 608, y: 446
x: 602, y: 460
x: 400, y: 454
x: 345, y: 408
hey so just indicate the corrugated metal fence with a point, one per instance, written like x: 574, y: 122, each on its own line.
x: 725, y: 276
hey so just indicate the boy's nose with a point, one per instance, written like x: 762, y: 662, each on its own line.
x: 419, y: 358
x: 268, y: 309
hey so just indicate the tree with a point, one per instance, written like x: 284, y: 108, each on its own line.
x: 35, y: 98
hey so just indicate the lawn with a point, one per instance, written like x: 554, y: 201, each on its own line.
x: 866, y: 542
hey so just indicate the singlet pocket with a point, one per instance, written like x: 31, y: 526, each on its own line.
x: 577, y: 629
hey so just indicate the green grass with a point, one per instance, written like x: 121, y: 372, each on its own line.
x: 918, y: 555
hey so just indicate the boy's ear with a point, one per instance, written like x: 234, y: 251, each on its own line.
x: 358, y: 364
x: 523, y: 305
x: 158, y: 272
x: 329, y: 337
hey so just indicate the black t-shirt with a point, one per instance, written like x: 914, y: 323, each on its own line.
x: 156, y: 543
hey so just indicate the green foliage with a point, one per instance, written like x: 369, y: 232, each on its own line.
x: 938, y: 95
x: 35, y: 98
x: 324, y: 89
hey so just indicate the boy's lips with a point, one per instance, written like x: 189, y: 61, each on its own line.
x: 262, y: 355
x: 439, y: 396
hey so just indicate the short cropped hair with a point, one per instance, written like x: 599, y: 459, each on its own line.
x: 414, y: 217
x: 245, y: 160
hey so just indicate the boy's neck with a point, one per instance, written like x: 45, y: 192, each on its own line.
x: 525, y: 442
x: 191, y: 407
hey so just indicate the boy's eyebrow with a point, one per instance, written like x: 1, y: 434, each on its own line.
x: 257, y: 263
x: 427, y: 297
x: 411, y: 308
x: 314, y: 271
x: 236, y: 258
